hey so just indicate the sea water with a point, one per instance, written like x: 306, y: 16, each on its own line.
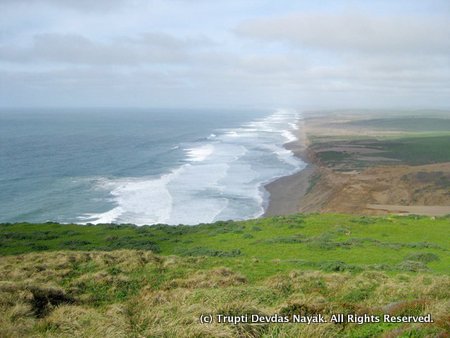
x: 141, y: 166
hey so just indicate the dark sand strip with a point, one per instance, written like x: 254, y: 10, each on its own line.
x: 286, y: 192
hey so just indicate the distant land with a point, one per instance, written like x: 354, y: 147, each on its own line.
x: 369, y: 163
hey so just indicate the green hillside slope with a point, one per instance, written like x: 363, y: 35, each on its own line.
x: 127, y: 281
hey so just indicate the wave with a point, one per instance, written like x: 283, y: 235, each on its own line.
x: 289, y: 136
x: 199, y: 154
x: 222, y: 178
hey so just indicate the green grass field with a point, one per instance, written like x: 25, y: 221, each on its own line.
x: 410, y: 123
x: 296, y: 241
x: 156, y: 281
x: 394, y: 150
x: 416, y: 150
x: 412, y: 141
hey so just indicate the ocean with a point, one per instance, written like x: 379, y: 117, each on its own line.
x: 141, y: 166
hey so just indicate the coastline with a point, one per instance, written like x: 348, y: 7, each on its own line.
x: 286, y: 193
x: 363, y: 175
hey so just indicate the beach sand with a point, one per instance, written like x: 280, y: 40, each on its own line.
x: 286, y: 192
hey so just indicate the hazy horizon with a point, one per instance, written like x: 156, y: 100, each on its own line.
x: 237, y: 54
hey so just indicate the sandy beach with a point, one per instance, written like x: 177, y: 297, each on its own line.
x: 286, y: 192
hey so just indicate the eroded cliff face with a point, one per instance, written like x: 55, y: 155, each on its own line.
x: 357, y: 171
x: 379, y: 190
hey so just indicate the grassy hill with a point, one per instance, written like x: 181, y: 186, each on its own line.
x: 128, y: 281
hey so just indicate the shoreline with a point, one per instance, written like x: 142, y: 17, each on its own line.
x: 345, y: 173
x: 286, y: 193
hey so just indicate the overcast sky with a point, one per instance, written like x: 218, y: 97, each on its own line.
x: 233, y: 53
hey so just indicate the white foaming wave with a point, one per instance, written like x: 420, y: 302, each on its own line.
x: 224, y: 179
x: 199, y: 154
x: 293, y: 125
x: 102, y: 218
x: 289, y: 136
x: 276, y: 118
x: 178, y: 197
x: 227, y: 152
x: 140, y: 201
x: 240, y: 133
x: 288, y: 157
x: 196, y: 193
x: 265, y: 124
x: 243, y: 187
x: 274, y: 123
x: 231, y: 133
x: 273, y: 131
x: 248, y: 127
x: 285, y: 155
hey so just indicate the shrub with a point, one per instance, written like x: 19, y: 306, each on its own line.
x: 288, y: 239
x: 202, y: 251
x: 412, y: 266
x: 364, y: 220
x: 335, y: 266
x: 424, y: 257
x: 74, y: 244
x: 45, y: 298
x: 128, y: 242
x: 407, y: 307
x: 39, y: 247
x: 422, y: 245
x: 300, y: 309
x: 70, y: 233
x: 357, y: 295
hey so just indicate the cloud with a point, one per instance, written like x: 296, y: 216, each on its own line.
x: 79, y: 5
x: 360, y: 56
x: 354, y: 32
x: 150, y: 47
x: 201, y: 53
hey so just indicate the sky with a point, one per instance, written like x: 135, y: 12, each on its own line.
x: 225, y: 54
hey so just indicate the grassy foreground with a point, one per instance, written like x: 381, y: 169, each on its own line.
x: 127, y: 281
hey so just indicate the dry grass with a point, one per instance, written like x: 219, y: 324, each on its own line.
x: 138, y: 294
x: 219, y: 277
